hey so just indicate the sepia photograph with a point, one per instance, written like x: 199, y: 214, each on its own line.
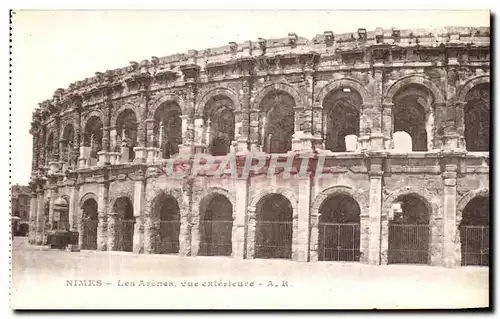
x: 250, y: 159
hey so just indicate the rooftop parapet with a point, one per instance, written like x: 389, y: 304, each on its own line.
x: 326, y: 43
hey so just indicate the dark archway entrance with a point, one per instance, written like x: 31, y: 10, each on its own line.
x: 274, y: 229
x: 126, y: 221
x: 23, y: 229
x: 167, y: 129
x: 477, y: 119
x: 409, y: 232
x: 410, y: 114
x: 341, y: 117
x: 339, y: 229
x: 92, y: 136
x: 167, y: 209
x: 475, y: 232
x: 126, y: 125
x: 216, y: 215
x: 220, y: 125
x: 277, y: 122
x: 89, y: 224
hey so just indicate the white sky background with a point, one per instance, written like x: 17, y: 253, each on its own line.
x: 52, y: 49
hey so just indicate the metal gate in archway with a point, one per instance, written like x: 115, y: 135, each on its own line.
x: 89, y: 237
x: 217, y: 238
x: 275, y: 240
x: 475, y: 245
x: 126, y: 234
x: 339, y: 241
x: 168, y: 237
x: 408, y: 244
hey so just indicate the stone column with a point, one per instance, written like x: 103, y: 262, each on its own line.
x: 51, y: 194
x: 102, y: 209
x: 242, y: 129
x: 57, y: 132
x: 187, y: 139
x: 300, y: 242
x: 150, y: 234
x: 195, y: 228
x: 112, y: 229
x: 188, y: 120
x: 33, y: 216
x: 388, y: 125
x: 73, y: 208
x: 138, y: 240
x: 112, y: 138
x: 153, y: 152
x: 103, y: 155
x: 254, y: 130
x: 139, y: 196
x: 297, y: 138
x: 201, y: 144
x: 317, y: 127
x: 150, y: 136
x: 40, y: 218
x: 106, y: 125
x: 80, y: 228
x: 377, y: 128
x: 240, y: 210
x: 450, y: 121
x: 451, y: 238
x: 77, y: 138
x: 40, y: 148
x: 304, y: 113
x: 185, y: 220
x: 140, y: 150
x: 251, y: 227
x: 375, y: 214
x: 460, y: 124
x: 34, y: 152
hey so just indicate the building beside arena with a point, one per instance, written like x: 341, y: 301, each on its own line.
x: 20, y: 207
x: 398, y: 119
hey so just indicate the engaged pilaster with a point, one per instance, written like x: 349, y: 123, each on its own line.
x: 451, y: 236
x: 375, y: 214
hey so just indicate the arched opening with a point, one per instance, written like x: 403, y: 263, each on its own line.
x: 125, y: 213
x: 89, y: 224
x: 274, y: 227
x: 67, y: 144
x: 49, y: 149
x: 277, y: 122
x: 475, y: 232
x: 216, y: 215
x: 410, y: 115
x: 126, y: 126
x: 219, y: 120
x: 341, y: 118
x: 477, y: 119
x: 339, y: 229
x: 409, y: 231
x: 92, y: 136
x: 167, y: 208
x: 167, y: 129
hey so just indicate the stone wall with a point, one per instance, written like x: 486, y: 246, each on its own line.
x: 372, y: 70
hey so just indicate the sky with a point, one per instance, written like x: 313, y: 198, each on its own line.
x: 51, y: 49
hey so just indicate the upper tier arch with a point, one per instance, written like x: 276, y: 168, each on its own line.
x: 413, y: 79
x: 262, y: 93
x: 165, y: 98
x: 343, y: 83
x: 200, y: 107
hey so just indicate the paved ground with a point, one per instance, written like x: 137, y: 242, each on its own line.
x: 45, y: 278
